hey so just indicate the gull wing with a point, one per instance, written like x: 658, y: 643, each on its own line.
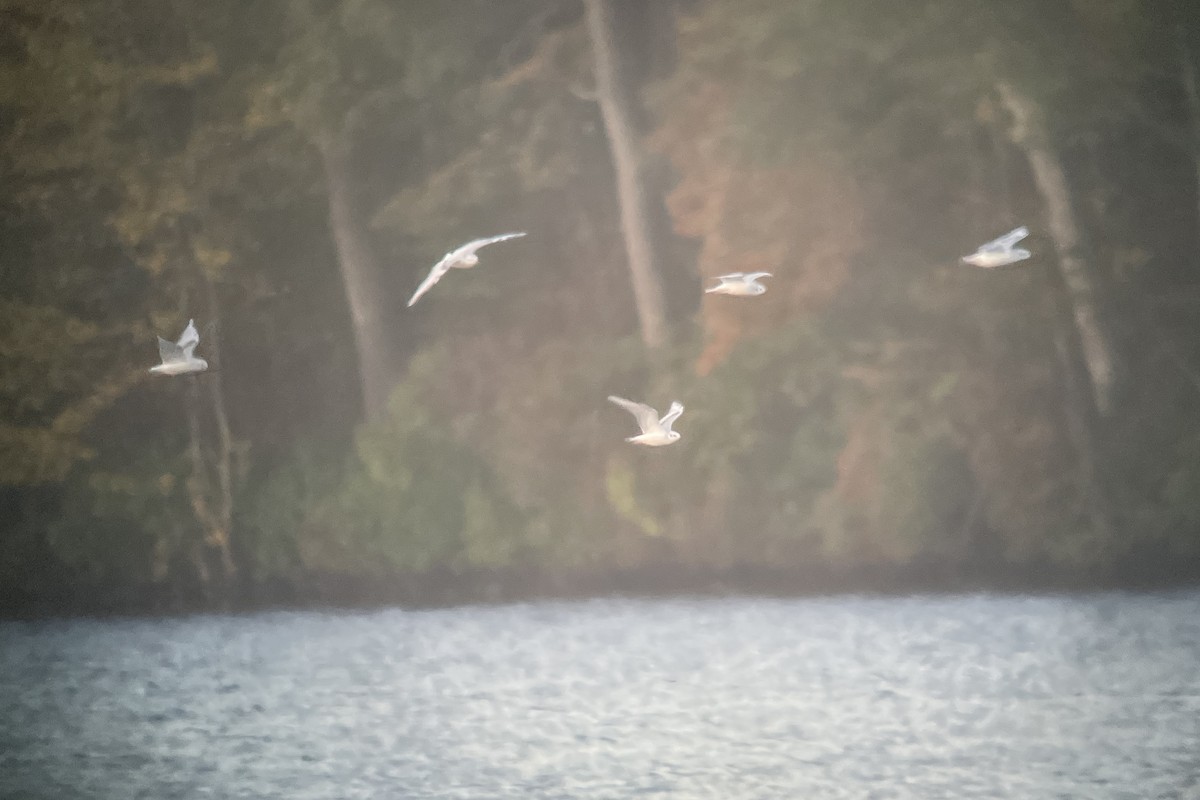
x: 751, y: 277
x: 669, y: 419
x: 189, y: 336
x: 169, y: 352
x: 435, y: 275
x: 647, y: 417
x: 1006, y: 241
x: 188, y: 340
x: 724, y: 280
x: 452, y: 258
x: 470, y: 247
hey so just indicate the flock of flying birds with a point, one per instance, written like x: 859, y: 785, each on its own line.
x: 178, y: 358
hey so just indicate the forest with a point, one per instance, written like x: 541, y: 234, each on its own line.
x: 885, y: 417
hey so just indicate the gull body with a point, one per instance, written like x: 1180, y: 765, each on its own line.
x: 1000, y: 252
x: 463, y: 258
x: 655, y: 432
x: 177, y: 357
x: 739, y: 284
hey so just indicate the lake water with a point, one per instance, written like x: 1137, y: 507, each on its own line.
x: 928, y: 697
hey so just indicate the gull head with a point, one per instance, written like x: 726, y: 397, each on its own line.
x: 469, y: 260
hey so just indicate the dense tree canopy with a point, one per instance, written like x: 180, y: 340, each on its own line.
x: 286, y: 172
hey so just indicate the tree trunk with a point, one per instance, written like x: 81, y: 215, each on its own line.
x: 615, y: 108
x: 1079, y: 342
x: 223, y: 531
x: 1080, y: 429
x: 361, y: 279
x: 200, y: 493
x: 1029, y: 135
x: 212, y: 503
x: 1191, y: 95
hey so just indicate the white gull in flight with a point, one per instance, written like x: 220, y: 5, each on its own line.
x: 1002, y: 251
x: 739, y: 284
x: 177, y: 358
x: 462, y: 258
x: 655, y: 432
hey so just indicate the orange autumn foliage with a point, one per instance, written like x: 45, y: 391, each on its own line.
x: 801, y: 220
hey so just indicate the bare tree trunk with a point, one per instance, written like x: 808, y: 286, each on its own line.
x: 212, y: 506
x: 221, y: 534
x: 1191, y: 95
x: 199, y: 488
x: 216, y: 530
x: 612, y: 95
x: 1079, y: 342
x: 1080, y: 429
x: 361, y: 279
x: 1029, y: 135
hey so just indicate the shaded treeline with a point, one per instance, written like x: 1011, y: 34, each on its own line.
x: 285, y: 173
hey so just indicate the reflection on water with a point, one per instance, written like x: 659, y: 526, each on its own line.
x: 974, y: 696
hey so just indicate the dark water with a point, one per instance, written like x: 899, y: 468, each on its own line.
x: 955, y: 697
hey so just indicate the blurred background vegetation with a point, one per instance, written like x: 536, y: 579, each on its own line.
x: 286, y: 171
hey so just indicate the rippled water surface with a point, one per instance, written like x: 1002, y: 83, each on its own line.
x: 956, y: 697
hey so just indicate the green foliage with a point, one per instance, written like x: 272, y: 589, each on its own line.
x: 410, y: 497
x: 123, y: 527
x: 283, y: 507
x: 621, y: 489
x: 928, y: 487
x: 880, y: 405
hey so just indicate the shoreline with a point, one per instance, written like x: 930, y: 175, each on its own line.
x: 447, y: 589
